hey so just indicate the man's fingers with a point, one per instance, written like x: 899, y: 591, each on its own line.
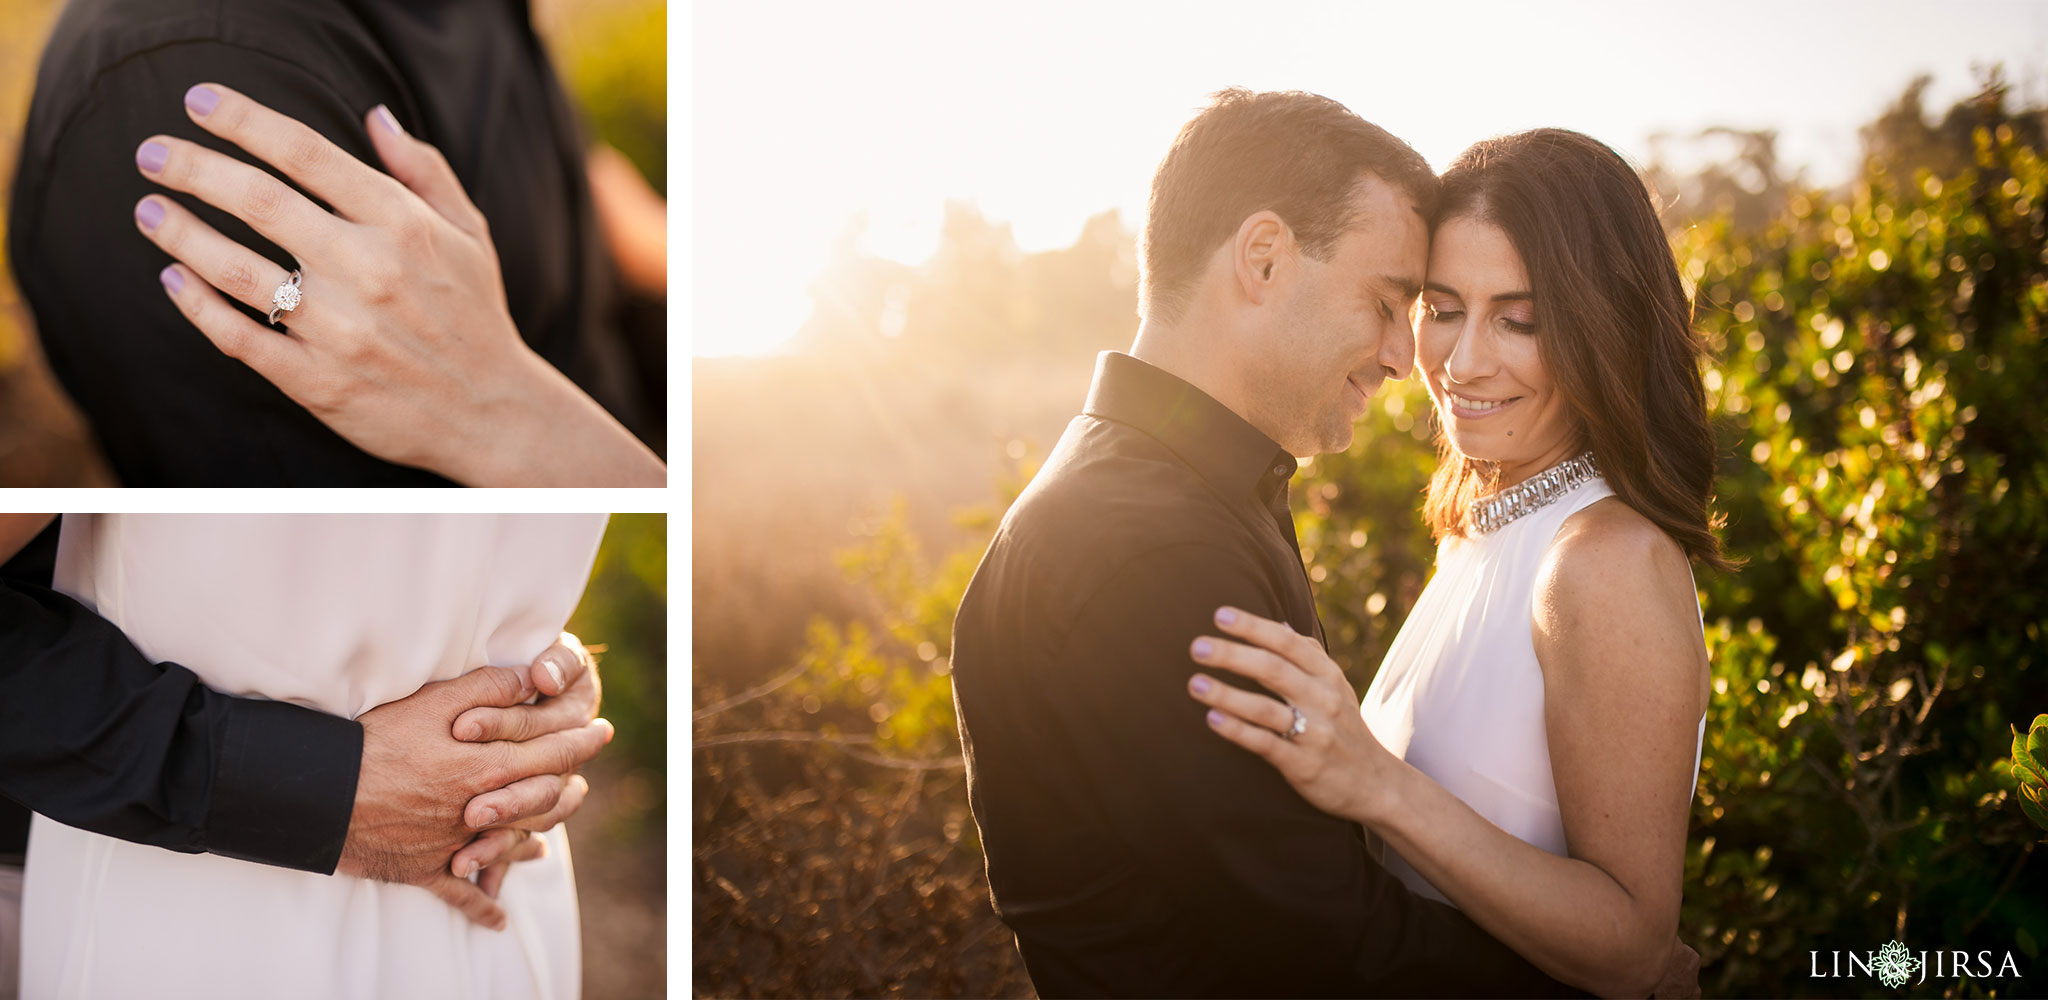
x: 489, y: 848
x: 464, y: 895
x: 573, y: 793
x: 522, y: 799
x: 560, y: 666
x: 493, y: 878
x: 498, y: 687
x: 524, y: 722
x: 555, y: 753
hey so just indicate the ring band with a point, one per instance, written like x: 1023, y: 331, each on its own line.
x: 286, y: 298
x: 1299, y: 727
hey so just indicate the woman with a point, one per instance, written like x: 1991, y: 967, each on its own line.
x: 1527, y: 751
x: 395, y: 329
x: 340, y: 613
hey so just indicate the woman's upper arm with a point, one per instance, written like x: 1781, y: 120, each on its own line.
x: 1616, y: 629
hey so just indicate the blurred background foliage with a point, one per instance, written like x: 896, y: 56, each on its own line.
x: 1876, y: 378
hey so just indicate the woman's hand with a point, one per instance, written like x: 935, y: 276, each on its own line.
x: 402, y: 342
x: 1335, y: 762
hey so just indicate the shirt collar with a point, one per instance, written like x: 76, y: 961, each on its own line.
x: 1235, y: 457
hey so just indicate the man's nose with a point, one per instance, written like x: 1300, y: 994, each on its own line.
x: 1397, y: 349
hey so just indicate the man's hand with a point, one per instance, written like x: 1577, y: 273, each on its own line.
x: 1681, y: 979
x: 417, y: 779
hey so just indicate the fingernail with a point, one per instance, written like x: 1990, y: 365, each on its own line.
x: 1225, y: 616
x: 1204, y: 648
x: 152, y: 156
x: 1215, y: 717
x: 469, y: 867
x: 553, y: 672
x: 174, y: 282
x: 470, y: 731
x: 1201, y: 684
x: 488, y: 816
x: 150, y: 213
x: 202, y: 100
x: 609, y: 730
x: 384, y: 117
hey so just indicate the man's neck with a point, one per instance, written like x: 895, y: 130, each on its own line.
x: 1197, y: 356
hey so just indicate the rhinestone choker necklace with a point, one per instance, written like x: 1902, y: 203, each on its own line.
x: 1489, y: 514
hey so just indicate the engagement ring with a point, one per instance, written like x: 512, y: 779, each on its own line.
x: 1300, y: 725
x: 285, y: 299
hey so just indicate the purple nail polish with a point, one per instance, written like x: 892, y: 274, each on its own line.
x: 202, y: 100
x: 384, y: 118
x: 1204, y: 648
x: 1201, y: 684
x: 152, y: 156
x: 150, y: 213
x: 1215, y: 717
x: 1225, y: 616
x: 172, y: 279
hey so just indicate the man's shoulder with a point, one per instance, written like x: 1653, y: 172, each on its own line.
x: 1109, y: 500
x: 95, y: 41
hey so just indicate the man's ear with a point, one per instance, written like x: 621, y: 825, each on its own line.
x: 1260, y: 254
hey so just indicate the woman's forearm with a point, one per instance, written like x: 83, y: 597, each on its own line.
x: 549, y: 432
x: 1568, y: 917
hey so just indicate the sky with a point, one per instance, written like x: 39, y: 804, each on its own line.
x: 809, y: 119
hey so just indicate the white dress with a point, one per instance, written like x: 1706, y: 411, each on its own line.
x: 340, y: 613
x: 1460, y: 694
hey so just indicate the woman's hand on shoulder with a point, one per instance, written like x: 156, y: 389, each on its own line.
x: 1333, y: 761
x: 399, y: 337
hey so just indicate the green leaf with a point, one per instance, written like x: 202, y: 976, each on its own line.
x: 2034, y: 810
x: 2037, y: 742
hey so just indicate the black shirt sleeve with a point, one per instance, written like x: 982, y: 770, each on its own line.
x: 1293, y: 902
x: 171, y: 409
x: 95, y: 736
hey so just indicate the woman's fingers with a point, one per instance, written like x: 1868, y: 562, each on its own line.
x: 277, y: 357
x: 1278, y: 675
x: 1254, y: 708
x: 563, y: 674
x: 1301, y: 650
x: 1258, y: 739
x: 464, y: 895
x: 421, y: 167
x: 267, y: 204
x: 356, y: 190
x: 238, y: 272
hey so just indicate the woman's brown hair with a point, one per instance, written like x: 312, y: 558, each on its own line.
x: 1614, y: 328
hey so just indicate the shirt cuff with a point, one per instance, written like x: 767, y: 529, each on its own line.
x: 285, y: 786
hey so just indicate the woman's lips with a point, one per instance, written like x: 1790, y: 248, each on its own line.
x: 1465, y: 408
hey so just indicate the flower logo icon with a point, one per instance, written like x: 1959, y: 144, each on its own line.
x: 1895, y: 965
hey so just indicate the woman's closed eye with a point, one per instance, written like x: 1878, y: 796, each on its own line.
x: 1442, y: 314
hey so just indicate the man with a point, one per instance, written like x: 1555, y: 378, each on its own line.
x: 1131, y: 850
x: 95, y: 735
x: 468, y: 76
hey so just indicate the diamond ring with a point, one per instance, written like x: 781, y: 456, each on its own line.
x: 1299, y: 727
x: 285, y: 299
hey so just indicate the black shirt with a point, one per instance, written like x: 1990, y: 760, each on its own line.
x: 1131, y: 849
x: 466, y: 75
x: 96, y: 736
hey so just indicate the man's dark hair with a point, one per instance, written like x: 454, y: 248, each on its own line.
x: 1300, y: 155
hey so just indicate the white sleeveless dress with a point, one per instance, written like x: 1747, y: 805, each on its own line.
x: 1460, y: 694
x: 340, y: 613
